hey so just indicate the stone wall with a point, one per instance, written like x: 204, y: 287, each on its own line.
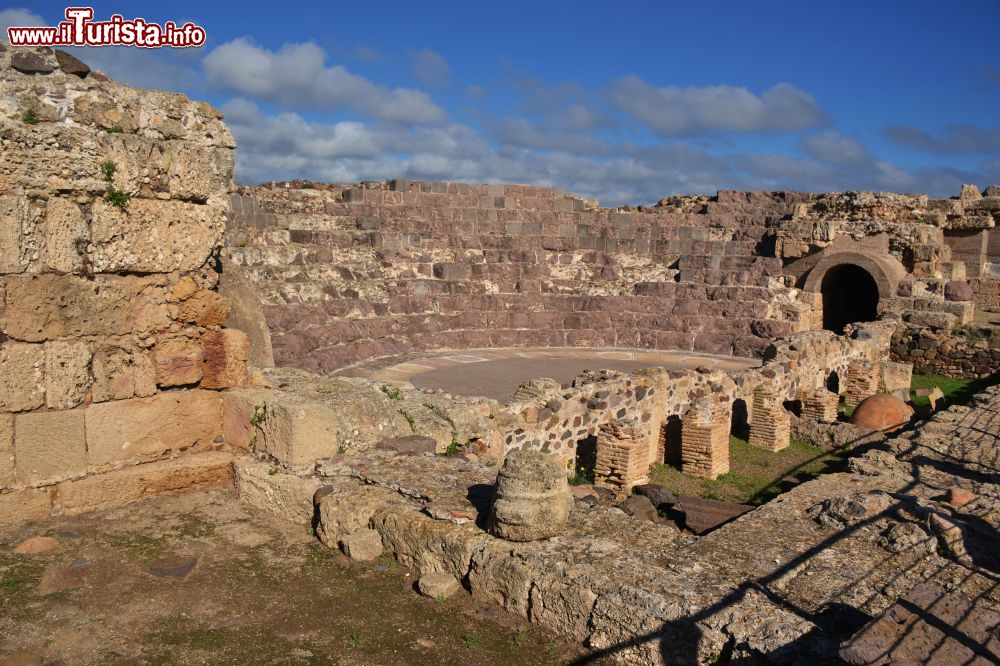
x: 970, y: 353
x: 112, y: 211
x: 348, y: 274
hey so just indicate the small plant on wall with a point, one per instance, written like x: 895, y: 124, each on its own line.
x: 116, y: 197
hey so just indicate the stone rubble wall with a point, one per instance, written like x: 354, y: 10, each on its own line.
x: 969, y: 353
x: 349, y: 274
x: 295, y: 418
x: 112, y: 350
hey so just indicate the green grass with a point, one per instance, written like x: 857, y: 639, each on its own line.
x: 956, y: 391
x: 755, y: 475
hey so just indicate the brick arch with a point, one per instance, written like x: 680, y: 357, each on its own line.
x: 886, y: 271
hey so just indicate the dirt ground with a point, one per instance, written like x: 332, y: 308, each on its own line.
x: 197, y: 579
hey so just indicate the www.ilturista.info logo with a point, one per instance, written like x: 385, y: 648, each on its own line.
x: 80, y: 30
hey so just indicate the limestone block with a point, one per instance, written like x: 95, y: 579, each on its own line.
x: 896, y: 378
x: 343, y: 513
x: 178, y: 360
x: 238, y: 409
x: 45, y: 307
x: 49, y: 446
x: 363, y: 545
x: 65, y: 232
x: 498, y: 578
x: 419, y: 541
x: 22, y: 371
x: 298, y: 431
x: 225, y: 359
x: 204, y: 308
x: 185, y: 171
x: 147, y: 428
x: 14, y: 217
x: 287, y: 496
x: 20, y: 505
x: 103, y: 491
x: 438, y: 585
x: 154, y: 236
x: 67, y: 373
x: 562, y: 604
x: 6, y: 451
x: 121, y: 373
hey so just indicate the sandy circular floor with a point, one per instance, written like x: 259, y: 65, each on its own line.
x: 496, y: 373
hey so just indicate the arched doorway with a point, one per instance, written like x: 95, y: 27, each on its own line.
x: 850, y: 294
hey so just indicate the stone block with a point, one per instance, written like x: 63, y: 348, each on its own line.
x: 49, y: 446
x: 343, y: 513
x: 154, y: 236
x: 287, y: 496
x: 452, y: 271
x: 298, y: 431
x: 65, y: 234
x: 6, y: 451
x: 121, y: 373
x: 225, y: 359
x: 438, y: 585
x: 238, y: 410
x: 177, y: 361
x: 147, y: 428
x: 14, y: 216
x: 362, y: 545
x: 67, y: 373
x: 204, y: 308
x: 45, y: 307
x: 104, y: 491
x: 22, y: 376
x: 21, y: 505
x: 896, y: 378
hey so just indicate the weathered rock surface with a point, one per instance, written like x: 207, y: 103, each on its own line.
x: 532, y: 498
x: 363, y: 544
x: 438, y: 585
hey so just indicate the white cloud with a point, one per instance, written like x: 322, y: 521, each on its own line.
x: 17, y: 17
x: 831, y: 146
x: 296, y: 76
x: 430, y: 67
x: 719, y: 109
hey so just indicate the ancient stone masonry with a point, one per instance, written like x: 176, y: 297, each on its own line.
x: 348, y: 274
x: 831, y: 563
x: 112, y: 211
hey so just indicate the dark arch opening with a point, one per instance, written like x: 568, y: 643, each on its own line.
x: 833, y: 382
x: 850, y: 294
x: 740, y: 425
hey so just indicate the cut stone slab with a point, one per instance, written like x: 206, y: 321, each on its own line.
x: 701, y: 515
x: 362, y: 545
x: 438, y: 585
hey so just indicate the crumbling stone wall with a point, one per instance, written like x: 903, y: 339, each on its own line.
x: 971, y: 352
x: 112, y: 212
x: 353, y: 273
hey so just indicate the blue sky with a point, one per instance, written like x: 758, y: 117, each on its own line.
x: 627, y: 101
